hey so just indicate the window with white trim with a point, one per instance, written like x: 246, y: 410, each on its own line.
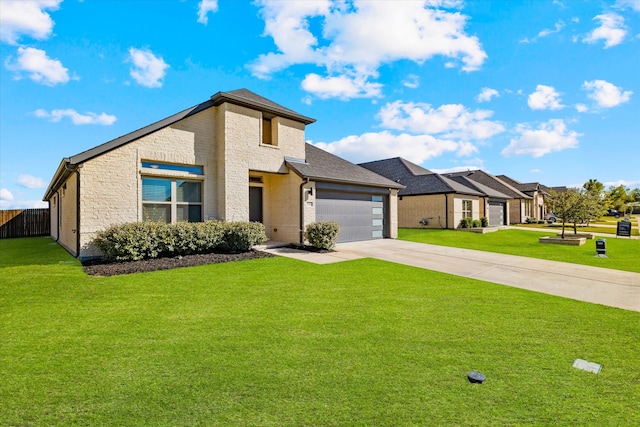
x: 171, y: 200
x: 467, y: 209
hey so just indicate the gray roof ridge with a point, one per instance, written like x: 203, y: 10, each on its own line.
x: 247, y: 98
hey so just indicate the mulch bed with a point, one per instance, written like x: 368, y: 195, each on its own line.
x: 102, y: 268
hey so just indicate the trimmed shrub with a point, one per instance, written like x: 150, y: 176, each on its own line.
x: 484, y: 221
x: 476, y: 223
x: 322, y: 234
x: 466, y: 222
x: 142, y: 240
x: 242, y: 236
x: 130, y: 242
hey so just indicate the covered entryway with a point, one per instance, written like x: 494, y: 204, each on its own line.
x: 360, y: 211
x: 496, y: 213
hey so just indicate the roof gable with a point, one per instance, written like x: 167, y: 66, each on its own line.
x: 418, y: 180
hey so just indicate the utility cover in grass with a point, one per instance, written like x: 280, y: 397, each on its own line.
x: 587, y: 366
x: 476, y: 377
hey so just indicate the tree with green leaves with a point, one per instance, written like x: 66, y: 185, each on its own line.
x: 565, y: 205
x: 616, y: 197
x: 594, y: 187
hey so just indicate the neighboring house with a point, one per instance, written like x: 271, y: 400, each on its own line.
x: 431, y: 200
x: 537, y: 191
x: 520, y: 205
x: 235, y: 157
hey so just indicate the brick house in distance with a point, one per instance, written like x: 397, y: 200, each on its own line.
x: 235, y: 157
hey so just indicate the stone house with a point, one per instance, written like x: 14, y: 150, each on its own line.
x: 537, y: 191
x: 234, y: 157
x: 431, y: 200
x: 520, y: 205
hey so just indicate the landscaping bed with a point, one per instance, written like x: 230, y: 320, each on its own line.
x: 104, y: 268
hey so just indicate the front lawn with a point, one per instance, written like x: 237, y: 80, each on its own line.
x: 623, y: 253
x: 282, y: 342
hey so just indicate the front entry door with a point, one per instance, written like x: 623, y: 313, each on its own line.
x: 255, y: 204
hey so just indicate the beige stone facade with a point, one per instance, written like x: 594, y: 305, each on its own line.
x: 225, y: 142
x: 412, y: 210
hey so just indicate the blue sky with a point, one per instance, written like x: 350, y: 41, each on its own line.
x: 544, y: 91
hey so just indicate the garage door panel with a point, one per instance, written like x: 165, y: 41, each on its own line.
x: 359, y: 219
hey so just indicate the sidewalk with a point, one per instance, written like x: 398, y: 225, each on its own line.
x: 613, y: 288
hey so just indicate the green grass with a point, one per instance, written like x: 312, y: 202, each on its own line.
x: 282, y: 342
x: 623, y: 253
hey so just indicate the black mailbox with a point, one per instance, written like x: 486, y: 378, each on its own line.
x: 601, y: 246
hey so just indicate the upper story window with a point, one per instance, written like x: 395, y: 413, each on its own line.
x: 269, y: 136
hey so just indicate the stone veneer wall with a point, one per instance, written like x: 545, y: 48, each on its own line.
x: 226, y: 141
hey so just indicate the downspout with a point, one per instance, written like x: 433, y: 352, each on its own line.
x: 302, y: 210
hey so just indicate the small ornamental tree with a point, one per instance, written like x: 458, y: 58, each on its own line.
x: 565, y: 205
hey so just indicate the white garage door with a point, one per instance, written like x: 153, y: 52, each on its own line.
x: 361, y: 216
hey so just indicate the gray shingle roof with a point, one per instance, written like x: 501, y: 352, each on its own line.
x: 323, y: 166
x: 528, y: 187
x: 418, y: 180
x: 243, y: 97
x: 492, y: 182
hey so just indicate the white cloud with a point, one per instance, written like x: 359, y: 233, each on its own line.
x: 26, y: 17
x: 624, y: 182
x: 412, y: 81
x: 556, y: 29
x: 204, y: 7
x: 148, y: 70
x: 535, y: 171
x: 612, y: 30
x: 581, y: 108
x: 22, y: 204
x: 357, y: 37
x: 448, y: 121
x: 606, y: 94
x: 39, y: 67
x: 628, y: 4
x: 5, y: 194
x: 77, y: 118
x: 382, y: 145
x: 343, y: 87
x: 544, y: 98
x: 486, y: 94
x: 32, y: 182
x: 549, y: 137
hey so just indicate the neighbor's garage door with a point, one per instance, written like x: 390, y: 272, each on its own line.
x: 360, y: 215
x: 496, y: 214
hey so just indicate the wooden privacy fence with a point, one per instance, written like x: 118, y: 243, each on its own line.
x: 24, y: 223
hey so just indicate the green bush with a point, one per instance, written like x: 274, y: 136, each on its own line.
x: 476, y: 223
x: 241, y: 236
x: 466, y: 222
x: 130, y: 242
x: 142, y: 240
x: 484, y: 221
x: 322, y: 234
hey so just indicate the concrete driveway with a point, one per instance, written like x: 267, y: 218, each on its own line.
x: 614, y: 288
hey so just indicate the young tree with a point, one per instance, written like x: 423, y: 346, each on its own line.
x: 594, y: 187
x: 565, y: 205
x: 616, y: 197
